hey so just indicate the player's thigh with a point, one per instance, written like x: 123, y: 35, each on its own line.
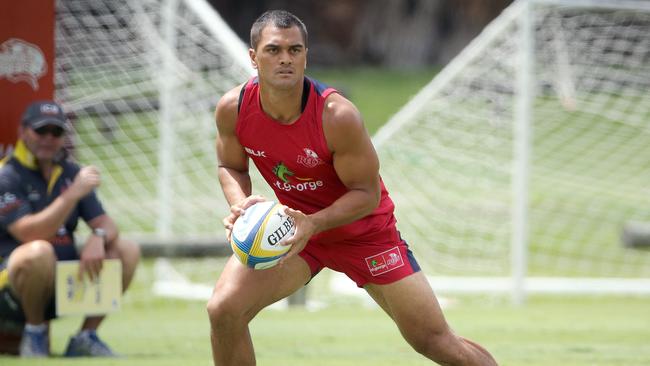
x: 412, y: 305
x: 249, y: 290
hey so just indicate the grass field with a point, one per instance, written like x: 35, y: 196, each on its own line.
x: 549, y: 331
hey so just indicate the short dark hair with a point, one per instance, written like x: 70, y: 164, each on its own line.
x: 279, y: 19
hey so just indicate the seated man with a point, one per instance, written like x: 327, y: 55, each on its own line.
x: 42, y: 196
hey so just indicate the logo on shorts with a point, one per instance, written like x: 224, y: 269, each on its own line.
x: 385, y: 261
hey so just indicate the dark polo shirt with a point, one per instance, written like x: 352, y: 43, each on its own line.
x: 23, y: 191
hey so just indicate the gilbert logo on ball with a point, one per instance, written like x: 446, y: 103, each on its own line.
x: 257, y: 235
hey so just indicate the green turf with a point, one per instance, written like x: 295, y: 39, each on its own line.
x: 549, y: 331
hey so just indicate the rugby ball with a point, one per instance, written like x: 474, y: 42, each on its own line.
x: 258, y: 233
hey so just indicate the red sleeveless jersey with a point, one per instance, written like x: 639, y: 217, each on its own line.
x: 295, y: 161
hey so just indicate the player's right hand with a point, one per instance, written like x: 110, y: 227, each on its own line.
x: 85, y: 181
x: 304, y: 229
x: 237, y: 210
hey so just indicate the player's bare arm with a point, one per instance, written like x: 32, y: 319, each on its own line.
x: 232, y: 160
x: 45, y: 223
x: 356, y: 164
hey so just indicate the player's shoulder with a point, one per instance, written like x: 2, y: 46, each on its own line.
x: 229, y: 102
x: 340, y: 111
x: 342, y: 123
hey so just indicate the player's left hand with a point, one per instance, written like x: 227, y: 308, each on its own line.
x: 304, y: 229
x: 237, y: 210
x: 92, y: 257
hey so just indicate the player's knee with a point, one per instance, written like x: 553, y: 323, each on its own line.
x: 426, y: 345
x: 439, y: 346
x: 222, y: 310
x: 218, y: 307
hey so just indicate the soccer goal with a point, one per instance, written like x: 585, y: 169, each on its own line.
x: 516, y: 167
x: 140, y: 79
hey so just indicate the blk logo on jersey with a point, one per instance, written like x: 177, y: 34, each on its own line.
x: 258, y: 153
x: 385, y: 261
x: 310, y: 159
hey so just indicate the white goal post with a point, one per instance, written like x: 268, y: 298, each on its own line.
x: 516, y: 167
x: 140, y: 80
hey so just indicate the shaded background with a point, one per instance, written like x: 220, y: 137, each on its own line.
x: 386, y: 33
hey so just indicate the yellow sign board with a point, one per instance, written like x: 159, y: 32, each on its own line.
x: 76, y: 296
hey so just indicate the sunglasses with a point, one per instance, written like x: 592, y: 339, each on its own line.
x: 51, y: 130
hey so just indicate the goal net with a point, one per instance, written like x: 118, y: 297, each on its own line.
x: 525, y: 156
x: 140, y: 80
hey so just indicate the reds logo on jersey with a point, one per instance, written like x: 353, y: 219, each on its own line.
x: 310, y: 159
